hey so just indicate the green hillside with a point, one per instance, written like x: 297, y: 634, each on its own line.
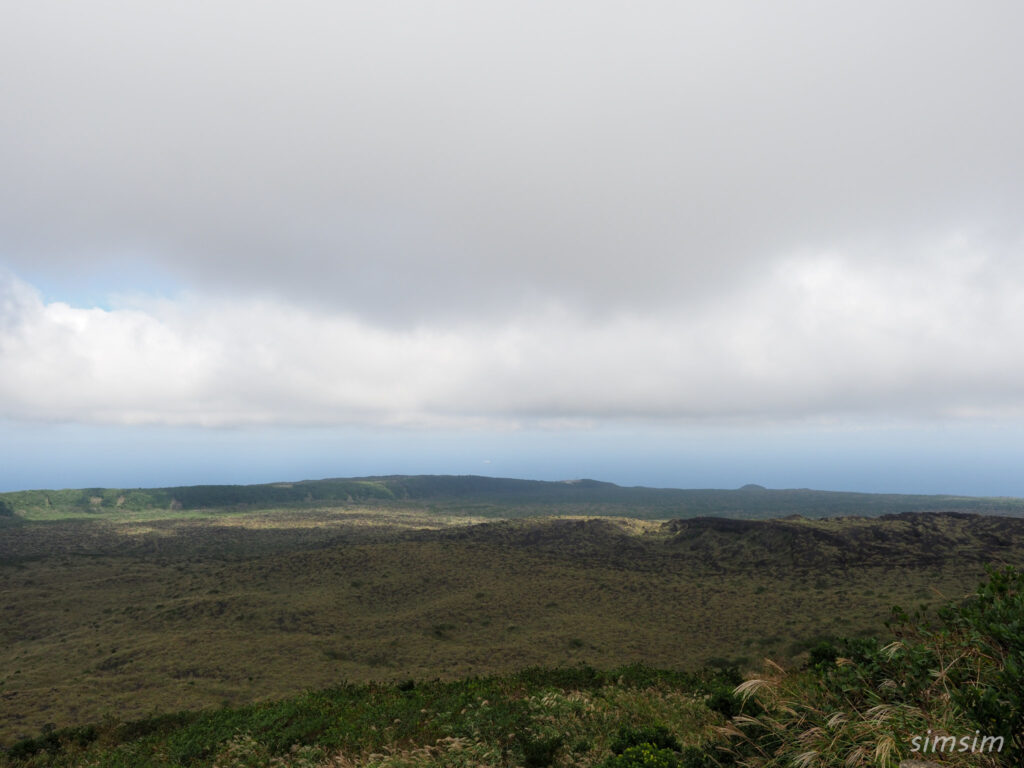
x: 495, y: 497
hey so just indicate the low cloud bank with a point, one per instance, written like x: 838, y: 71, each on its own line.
x: 833, y: 336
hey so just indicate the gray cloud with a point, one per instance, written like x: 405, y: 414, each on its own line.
x: 465, y: 213
x: 414, y: 162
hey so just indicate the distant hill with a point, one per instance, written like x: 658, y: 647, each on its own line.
x: 509, y: 497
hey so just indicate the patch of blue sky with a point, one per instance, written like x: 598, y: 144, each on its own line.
x: 108, y: 285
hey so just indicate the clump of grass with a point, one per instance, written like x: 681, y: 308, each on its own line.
x: 860, y: 703
x: 245, y: 751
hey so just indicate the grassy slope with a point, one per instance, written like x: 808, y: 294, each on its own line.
x: 535, y: 717
x: 959, y: 675
x: 124, y: 618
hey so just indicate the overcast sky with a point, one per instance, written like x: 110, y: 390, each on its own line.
x: 585, y: 237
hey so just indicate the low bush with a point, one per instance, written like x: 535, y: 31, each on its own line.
x: 643, y: 756
x: 656, y: 735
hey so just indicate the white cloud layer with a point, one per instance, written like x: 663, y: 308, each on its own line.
x: 828, y: 336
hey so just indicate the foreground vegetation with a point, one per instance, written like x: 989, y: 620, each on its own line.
x: 853, y: 703
x: 103, y: 618
x: 951, y: 689
x: 536, y: 718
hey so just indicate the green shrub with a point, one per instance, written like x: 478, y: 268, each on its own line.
x: 643, y: 756
x: 725, y: 702
x: 53, y: 741
x: 822, y: 655
x: 656, y: 735
x: 539, y: 752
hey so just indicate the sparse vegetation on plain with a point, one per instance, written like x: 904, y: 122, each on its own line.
x: 961, y: 675
x: 122, y: 614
